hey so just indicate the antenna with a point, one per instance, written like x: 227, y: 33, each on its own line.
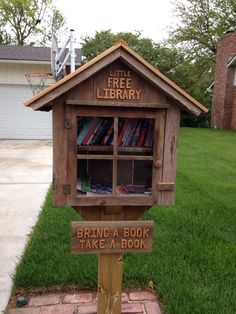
x: 57, y: 64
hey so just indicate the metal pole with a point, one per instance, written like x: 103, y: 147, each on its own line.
x: 72, y: 51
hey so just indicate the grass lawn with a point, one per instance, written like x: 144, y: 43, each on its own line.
x: 193, y: 263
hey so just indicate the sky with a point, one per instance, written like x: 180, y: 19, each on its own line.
x: 152, y: 17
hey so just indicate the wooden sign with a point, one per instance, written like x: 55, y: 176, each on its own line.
x: 119, y: 86
x: 111, y: 236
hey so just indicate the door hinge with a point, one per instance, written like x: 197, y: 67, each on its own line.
x: 66, y: 189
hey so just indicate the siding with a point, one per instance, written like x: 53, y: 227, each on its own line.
x: 19, y: 122
x: 14, y: 73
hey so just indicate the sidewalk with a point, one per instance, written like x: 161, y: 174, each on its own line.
x: 142, y: 302
x: 25, y: 176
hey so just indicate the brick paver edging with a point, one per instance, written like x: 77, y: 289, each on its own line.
x: 141, y: 302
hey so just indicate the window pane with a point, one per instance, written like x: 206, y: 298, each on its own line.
x: 95, y: 135
x: 94, y: 177
x: 135, y: 136
x: 134, y: 177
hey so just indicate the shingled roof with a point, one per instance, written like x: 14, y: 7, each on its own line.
x: 27, y: 53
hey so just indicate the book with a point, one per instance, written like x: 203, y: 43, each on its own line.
x: 143, y: 133
x: 107, y: 135
x: 90, y: 131
x: 137, y: 133
x: 126, y: 134
x: 121, y: 189
x: 132, y: 131
x: 100, y: 131
x: 100, y: 187
x: 137, y: 189
x: 86, y: 125
x: 110, y: 140
x: 125, y: 124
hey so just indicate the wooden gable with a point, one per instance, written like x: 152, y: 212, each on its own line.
x: 145, y: 85
x: 117, y: 85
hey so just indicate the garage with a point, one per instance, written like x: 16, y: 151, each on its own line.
x: 17, y: 121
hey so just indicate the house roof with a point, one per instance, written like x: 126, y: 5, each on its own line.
x: 28, y: 53
x: 231, y: 62
x: 42, y: 101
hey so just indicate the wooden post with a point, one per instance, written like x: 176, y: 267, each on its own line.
x: 110, y: 268
x: 111, y: 238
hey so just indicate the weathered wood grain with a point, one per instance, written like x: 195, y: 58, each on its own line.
x: 170, y: 154
x: 59, y: 152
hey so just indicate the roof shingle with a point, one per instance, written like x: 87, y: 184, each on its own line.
x: 27, y: 53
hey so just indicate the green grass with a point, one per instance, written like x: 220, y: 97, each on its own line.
x: 193, y: 263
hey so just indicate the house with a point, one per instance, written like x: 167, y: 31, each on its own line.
x: 16, y: 122
x: 223, y: 115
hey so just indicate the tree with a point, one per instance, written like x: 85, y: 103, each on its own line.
x: 5, y: 38
x: 93, y: 46
x: 55, y: 23
x: 27, y: 21
x: 192, y: 75
x: 202, y: 22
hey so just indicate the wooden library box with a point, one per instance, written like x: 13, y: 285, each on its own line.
x: 115, y: 130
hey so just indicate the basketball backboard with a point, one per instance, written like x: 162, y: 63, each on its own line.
x: 59, y: 57
x: 54, y: 53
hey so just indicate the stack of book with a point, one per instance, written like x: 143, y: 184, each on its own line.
x: 95, y: 131
x: 136, y: 132
x: 133, y: 189
x: 93, y: 186
x: 131, y: 132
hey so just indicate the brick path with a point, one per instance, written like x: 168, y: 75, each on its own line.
x: 142, y: 302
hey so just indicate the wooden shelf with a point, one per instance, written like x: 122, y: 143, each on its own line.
x: 90, y: 194
x: 91, y: 148
x: 111, y: 157
x: 105, y: 148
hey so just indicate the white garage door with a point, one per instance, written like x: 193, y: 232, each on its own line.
x: 19, y: 122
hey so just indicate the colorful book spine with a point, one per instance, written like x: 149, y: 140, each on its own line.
x: 125, y: 124
x: 132, y: 131
x: 107, y: 135
x: 137, y: 133
x: 90, y: 132
x: 143, y: 132
x: 100, y: 131
x: 126, y: 134
x: 86, y: 125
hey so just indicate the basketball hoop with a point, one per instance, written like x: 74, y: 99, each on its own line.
x: 38, y: 80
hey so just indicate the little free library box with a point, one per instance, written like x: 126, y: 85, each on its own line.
x: 115, y: 130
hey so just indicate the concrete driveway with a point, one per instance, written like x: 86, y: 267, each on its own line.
x: 25, y: 176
